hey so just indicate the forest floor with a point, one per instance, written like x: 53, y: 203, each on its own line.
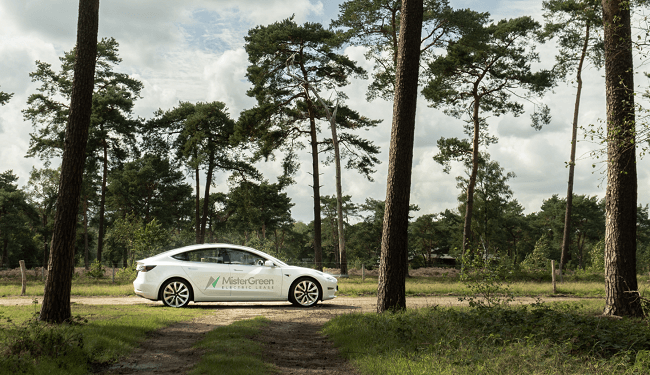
x: 292, y: 341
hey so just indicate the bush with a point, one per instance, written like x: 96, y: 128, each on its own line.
x: 59, y: 347
x: 126, y: 273
x: 486, y: 280
x: 96, y: 270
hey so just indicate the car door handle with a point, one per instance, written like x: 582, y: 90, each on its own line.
x: 193, y: 269
x: 235, y: 269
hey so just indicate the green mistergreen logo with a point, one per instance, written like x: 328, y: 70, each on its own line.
x: 212, y: 282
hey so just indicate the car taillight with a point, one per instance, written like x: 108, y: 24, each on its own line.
x: 143, y: 268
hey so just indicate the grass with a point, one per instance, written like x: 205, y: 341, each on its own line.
x: 542, y: 339
x: 87, y: 288
x: 231, y: 350
x: 109, y: 333
x: 429, y: 286
x: 353, y: 286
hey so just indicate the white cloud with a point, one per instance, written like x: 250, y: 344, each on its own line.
x: 193, y: 51
x: 226, y: 81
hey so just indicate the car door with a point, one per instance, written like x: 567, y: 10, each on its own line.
x: 207, y: 269
x: 250, y: 279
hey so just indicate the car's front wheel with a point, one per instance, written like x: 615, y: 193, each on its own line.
x: 304, y: 292
x: 176, y: 293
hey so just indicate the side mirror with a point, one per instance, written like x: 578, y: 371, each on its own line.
x: 269, y: 263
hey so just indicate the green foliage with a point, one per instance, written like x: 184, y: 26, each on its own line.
x: 149, y: 240
x: 4, y: 97
x: 150, y: 188
x: 126, y: 273
x: 114, y: 96
x: 505, y: 340
x: 260, y: 208
x: 540, y: 257
x: 109, y: 334
x: 33, y: 345
x: 231, y: 349
x: 572, y: 23
x: 285, y: 111
x: 96, y: 270
x: 375, y: 24
x: 434, y: 235
x: 597, y: 255
x: 17, y: 218
x: 486, y: 279
x: 130, y: 239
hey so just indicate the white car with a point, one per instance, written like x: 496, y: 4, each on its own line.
x: 223, y: 272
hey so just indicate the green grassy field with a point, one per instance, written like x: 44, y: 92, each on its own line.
x: 87, y: 288
x: 428, y: 286
x: 105, y: 333
x: 564, y: 338
x: 353, y: 286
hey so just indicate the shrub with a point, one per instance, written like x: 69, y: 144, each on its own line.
x: 34, y: 342
x: 96, y: 270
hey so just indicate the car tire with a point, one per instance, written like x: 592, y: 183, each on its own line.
x: 176, y: 293
x: 305, y: 292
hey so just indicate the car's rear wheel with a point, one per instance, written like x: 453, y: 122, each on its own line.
x: 176, y: 293
x: 304, y: 292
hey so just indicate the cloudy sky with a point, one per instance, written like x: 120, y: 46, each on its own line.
x: 193, y: 51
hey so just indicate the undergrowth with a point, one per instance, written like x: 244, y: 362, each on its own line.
x: 535, y: 339
x: 97, y: 336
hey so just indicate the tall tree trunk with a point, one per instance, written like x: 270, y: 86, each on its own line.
x: 339, y: 191
x: 621, y: 289
x: 318, y: 250
x: 197, y: 206
x: 339, y: 198
x: 391, y: 293
x: 46, y: 253
x: 5, y: 251
x: 102, y: 204
x: 469, y: 207
x: 206, y: 198
x: 566, y: 239
x: 56, y: 301
x: 85, y: 208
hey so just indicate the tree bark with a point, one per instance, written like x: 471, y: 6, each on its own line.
x: 339, y: 190
x: 391, y: 293
x: 197, y: 206
x: 318, y: 250
x: 206, y: 198
x: 469, y: 206
x: 86, y: 252
x: 46, y: 253
x: 622, y: 297
x: 566, y: 239
x: 56, y: 301
x: 102, y: 204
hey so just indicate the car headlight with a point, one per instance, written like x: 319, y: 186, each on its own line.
x: 330, y: 278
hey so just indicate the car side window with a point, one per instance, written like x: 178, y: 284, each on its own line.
x: 245, y: 258
x: 204, y: 256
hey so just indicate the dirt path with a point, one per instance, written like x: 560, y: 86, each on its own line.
x: 292, y: 341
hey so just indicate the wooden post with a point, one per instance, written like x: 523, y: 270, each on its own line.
x: 553, y: 274
x: 363, y: 272
x: 23, y: 273
x: 113, y: 276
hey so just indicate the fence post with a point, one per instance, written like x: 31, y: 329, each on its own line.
x: 113, y: 276
x: 553, y: 274
x: 23, y: 273
x: 363, y: 272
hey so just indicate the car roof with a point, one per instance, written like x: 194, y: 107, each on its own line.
x: 211, y: 246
